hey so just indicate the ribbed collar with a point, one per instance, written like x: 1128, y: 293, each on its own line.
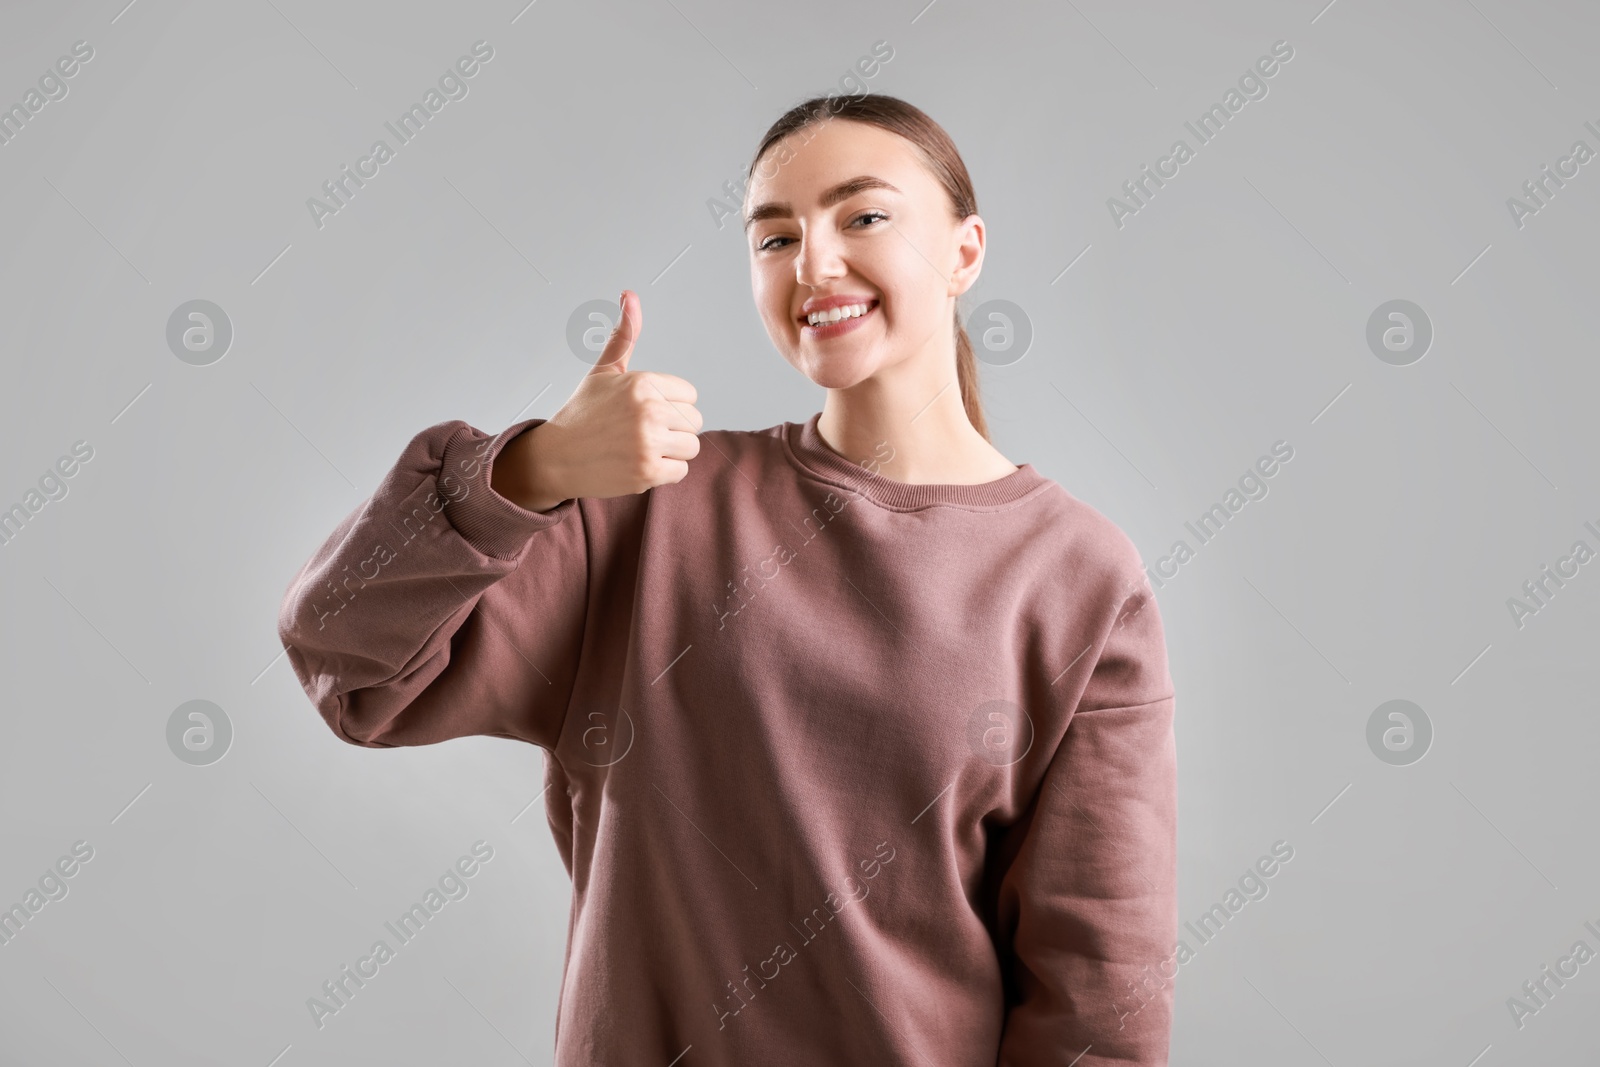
x: 813, y: 455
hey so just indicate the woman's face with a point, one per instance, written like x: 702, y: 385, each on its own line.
x: 846, y: 209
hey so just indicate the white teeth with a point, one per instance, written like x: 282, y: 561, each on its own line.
x: 849, y: 311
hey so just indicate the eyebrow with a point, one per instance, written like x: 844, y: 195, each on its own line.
x: 843, y: 191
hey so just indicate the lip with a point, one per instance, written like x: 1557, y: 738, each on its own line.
x: 843, y: 326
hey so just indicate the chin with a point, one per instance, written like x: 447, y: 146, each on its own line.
x: 835, y: 374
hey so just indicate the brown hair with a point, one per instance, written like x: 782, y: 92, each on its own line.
x: 942, y: 160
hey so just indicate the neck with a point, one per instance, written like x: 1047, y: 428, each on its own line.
x: 909, y: 423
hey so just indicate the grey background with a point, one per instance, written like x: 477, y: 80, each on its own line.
x: 1228, y: 314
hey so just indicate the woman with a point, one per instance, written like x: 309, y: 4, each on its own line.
x: 851, y: 762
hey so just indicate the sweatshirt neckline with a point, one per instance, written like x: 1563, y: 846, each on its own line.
x: 812, y: 454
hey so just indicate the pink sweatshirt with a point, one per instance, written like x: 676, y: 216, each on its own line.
x: 845, y: 770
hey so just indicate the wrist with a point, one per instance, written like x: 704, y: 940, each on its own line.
x: 520, y: 475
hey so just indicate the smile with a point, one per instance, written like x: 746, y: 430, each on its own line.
x: 838, y: 327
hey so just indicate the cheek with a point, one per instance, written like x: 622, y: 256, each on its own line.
x: 761, y: 291
x: 904, y: 278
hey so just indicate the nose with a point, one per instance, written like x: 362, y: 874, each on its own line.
x: 819, y: 260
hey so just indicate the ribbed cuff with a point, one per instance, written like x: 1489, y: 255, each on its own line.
x: 488, y: 521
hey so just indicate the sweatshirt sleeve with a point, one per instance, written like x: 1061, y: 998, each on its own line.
x: 438, y: 608
x: 1089, y: 892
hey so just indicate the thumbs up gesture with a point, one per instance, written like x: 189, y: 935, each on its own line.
x: 622, y: 431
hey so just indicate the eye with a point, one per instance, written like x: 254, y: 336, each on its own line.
x: 769, y: 245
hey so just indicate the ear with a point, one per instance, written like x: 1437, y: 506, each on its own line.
x: 969, y: 254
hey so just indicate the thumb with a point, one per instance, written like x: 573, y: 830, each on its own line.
x: 619, y: 347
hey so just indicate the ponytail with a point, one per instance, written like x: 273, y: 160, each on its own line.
x: 967, y: 379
